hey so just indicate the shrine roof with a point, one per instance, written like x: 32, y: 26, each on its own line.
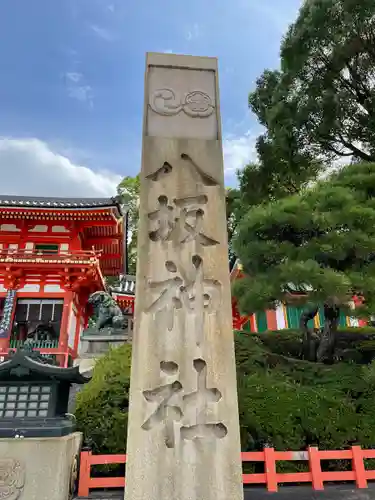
x: 127, y: 285
x: 22, y: 362
x: 10, y: 201
x: 236, y: 270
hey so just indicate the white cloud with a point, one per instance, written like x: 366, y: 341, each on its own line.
x: 77, y: 89
x: 192, y: 32
x: 28, y: 167
x: 82, y: 93
x: 238, y: 151
x: 74, y: 77
x: 102, y: 33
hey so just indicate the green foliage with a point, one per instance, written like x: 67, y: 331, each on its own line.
x: 321, y: 240
x: 319, y: 106
x: 281, y: 170
x: 322, y: 99
x: 102, y: 405
x: 291, y: 404
x: 129, y: 191
x: 283, y: 401
x: 231, y: 201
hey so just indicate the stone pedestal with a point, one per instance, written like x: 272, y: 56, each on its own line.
x: 39, y: 468
x: 183, y: 430
x: 94, y: 345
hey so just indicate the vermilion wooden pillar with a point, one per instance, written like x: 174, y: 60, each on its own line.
x: 77, y: 331
x: 358, y: 302
x: 271, y: 320
x: 64, y: 329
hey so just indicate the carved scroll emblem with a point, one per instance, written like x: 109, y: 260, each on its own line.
x: 12, y: 479
x: 196, y: 104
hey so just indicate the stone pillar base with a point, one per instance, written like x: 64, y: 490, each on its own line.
x: 95, y: 345
x: 39, y: 468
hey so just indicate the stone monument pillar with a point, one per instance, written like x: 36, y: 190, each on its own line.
x: 183, y: 432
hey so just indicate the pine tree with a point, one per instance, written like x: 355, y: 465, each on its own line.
x: 321, y: 241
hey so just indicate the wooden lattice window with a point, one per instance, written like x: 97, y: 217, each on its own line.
x: 19, y: 401
x: 32, y: 314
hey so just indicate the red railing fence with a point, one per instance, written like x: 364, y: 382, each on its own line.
x: 86, y: 482
x: 315, y: 476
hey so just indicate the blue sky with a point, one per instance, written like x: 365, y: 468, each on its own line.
x: 71, y: 86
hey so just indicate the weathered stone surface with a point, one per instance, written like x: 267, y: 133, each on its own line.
x: 95, y: 345
x: 38, y: 468
x: 183, y: 432
x: 171, y: 92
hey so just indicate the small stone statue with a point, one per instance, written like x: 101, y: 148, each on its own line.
x: 108, y: 313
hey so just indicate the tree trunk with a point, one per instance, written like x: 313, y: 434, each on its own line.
x: 310, y: 339
x: 327, y: 344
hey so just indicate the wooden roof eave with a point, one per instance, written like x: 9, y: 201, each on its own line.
x: 82, y: 214
x: 21, y: 358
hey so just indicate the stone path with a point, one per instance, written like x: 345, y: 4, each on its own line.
x: 340, y: 492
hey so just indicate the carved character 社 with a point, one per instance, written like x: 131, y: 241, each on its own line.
x: 168, y: 409
x: 199, y: 400
x: 172, y: 405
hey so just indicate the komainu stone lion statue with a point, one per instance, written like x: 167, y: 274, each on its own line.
x: 108, y: 313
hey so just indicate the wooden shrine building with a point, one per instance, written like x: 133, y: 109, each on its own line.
x: 124, y: 293
x: 55, y: 252
x: 286, y: 315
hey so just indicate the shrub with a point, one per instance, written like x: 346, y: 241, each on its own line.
x: 102, y: 405
x: 283, y: 401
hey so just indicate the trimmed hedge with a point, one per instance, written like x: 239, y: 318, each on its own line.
x: 284, y: 401
x: 102, y: 404
x: 291, y: 404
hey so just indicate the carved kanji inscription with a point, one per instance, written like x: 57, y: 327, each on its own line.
x: 168, y: 295
x: 167, y: 410
x: 200, y: 174
x: 199, y: 400
x: 206, y: 179
x: 200, y: 295
x: 164, y: 219
x: 182, y: 221
x: 164, y: 170
x: 171, y: 405
x: 189, y: 289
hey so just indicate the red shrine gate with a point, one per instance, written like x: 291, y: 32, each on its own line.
x: 54, y: 252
